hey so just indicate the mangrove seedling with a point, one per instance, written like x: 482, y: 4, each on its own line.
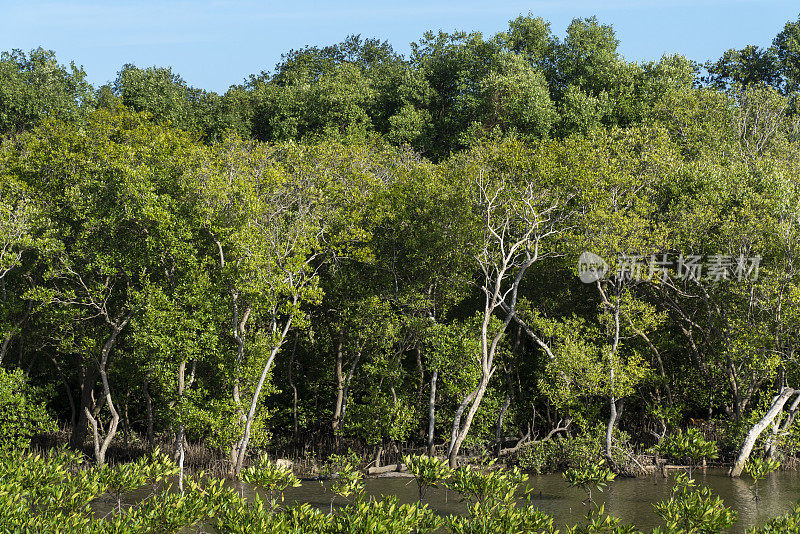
x: 347, y: 480
x: 690, y: 447
x: 428, y: 471
x: 759, y: 468
x: 586, y: 476
x: 275, y: 479
x: 693, y: 510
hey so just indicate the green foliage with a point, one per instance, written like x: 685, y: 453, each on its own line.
x: 292, y: 261
x: 55, y: 494
x: 759, y: 468
x: 588, y: 476
x: 483, y: 520
x: 147, y: 470
x: 380, y: 417
x: 23, y: 414
x: 38, y: 491
x: 348, y: 482
x: 487, y: 486
x: 166, y: 97
x: 690, y: 509
x: 272, y: 477
x: 34, y: 86
x: 552, y: 455
x: 690, y: 446
x: 788, y: 523
x: 491, y: 496
x: 428, y: 471
x: 603, y: 524
x: 386, y: 516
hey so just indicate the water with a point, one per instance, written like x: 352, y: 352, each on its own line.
x: 630, y: 499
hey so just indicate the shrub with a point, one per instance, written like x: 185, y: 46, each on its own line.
x: 588, y: 475
x: 787, y: 523
x: 557, y: 454
x: 22, y: 413
x: 693, y: 510
x: 690, y: 447
x: 759, y: 468
x: 428, y: 471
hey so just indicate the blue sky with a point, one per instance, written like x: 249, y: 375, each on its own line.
x: 214, y: 44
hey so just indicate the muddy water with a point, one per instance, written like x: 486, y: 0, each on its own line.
x: 630, y: 499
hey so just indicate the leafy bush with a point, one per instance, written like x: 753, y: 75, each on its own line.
x: 788, y: 523
x: 556, y: 454
x: 492, y: 497
x: 348, y: 482
x: 489, y: 487
x: 758, y: 468
x: 693, y: 510
x: 690, y: 447
x: 541, y: 456
x: 588, y: 475
x: 273, y: 478
x: 22, y: 413
x: 385, y: 516
x: 428, y: 471
x: 504, y: 519
x: 54, y: 494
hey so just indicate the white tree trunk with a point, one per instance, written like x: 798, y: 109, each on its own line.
x: 432, y: 414
x: 455, y: 444
x: 777, y: 405
x: 241, y: 448
x: 778, y: 431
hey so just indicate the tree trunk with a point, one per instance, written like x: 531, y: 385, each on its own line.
x: 17, y: 327
x: 149, y: 404
x: 772, y: 450
x: 460, y: 430
x: 179, y: 435
x: 79, y: 430
x: 612, y: 421
x: 347, y: 381
x: 777, y: 405
x: 294, y: 389
x: 432, y: 414
x: 179, y: 445
x: 239, y: 331
x: 421, y: 372
x: 337, y: 409
x: 241, y: 450
x: 499, y: 430
x: 101, y: 447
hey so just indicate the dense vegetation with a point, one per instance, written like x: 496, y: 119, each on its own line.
x: 56, y: 495
x: 371, y: 252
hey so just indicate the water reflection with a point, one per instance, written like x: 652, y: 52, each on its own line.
x: 630, y: 499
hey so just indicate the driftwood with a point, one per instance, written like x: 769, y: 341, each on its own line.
x: 522, y: 441
x: 664, y: 467
x: 391, y: 468
x: 562, y: 426
x: 283, y: 463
